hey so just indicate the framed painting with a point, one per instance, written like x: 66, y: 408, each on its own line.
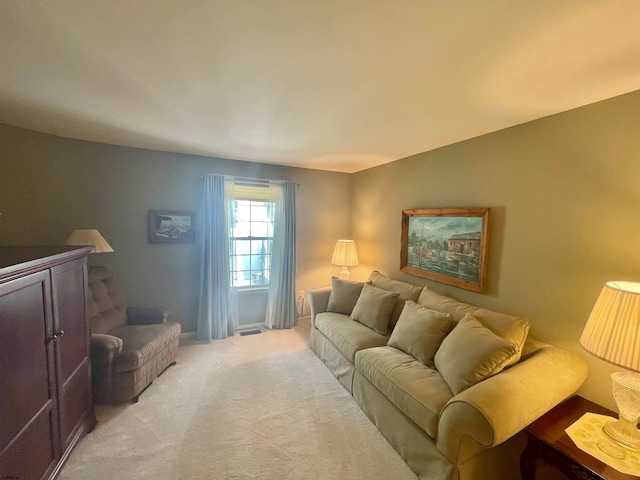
x: 448, y: 245
x: 171, y: 226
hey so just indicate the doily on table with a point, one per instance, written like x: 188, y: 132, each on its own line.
x: 588, y: 436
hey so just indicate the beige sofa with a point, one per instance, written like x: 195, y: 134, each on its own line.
x: 449, y: 385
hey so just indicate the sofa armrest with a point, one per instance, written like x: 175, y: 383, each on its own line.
x: 497, y: 408
x: 146, y: 315
x: 318, y: 301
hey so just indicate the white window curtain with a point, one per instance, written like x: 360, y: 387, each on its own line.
x: 229, y: 196
x: 215, y: 314
x: 281, y: 304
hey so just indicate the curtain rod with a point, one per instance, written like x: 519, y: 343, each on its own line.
x: 253, y: 180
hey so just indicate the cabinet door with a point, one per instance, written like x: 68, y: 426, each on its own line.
x: 28, y: 417
x: 72, y: 350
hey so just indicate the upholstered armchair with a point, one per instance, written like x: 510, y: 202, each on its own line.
x: 130, y: 346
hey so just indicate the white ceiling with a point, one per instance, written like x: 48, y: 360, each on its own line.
x: 329, y: 84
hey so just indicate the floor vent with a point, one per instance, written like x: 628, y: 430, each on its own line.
x: 250, y: 332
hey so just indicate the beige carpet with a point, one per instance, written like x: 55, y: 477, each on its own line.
x: 247, y: 407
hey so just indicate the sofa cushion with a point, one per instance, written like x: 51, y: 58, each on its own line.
x: 420, y: 331
x: 344, y: 295
x: 348, y: 336
x: 374, y: 307
x: 471, y: 353
x: 513, y: 329
x: 405, y: 290
x: 416, y: 390
x: 140, y: 343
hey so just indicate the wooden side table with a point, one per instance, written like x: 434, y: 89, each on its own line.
x: 548, y: 441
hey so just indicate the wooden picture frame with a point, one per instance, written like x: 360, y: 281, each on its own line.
x: 448, y: 245
x: 172, y: 226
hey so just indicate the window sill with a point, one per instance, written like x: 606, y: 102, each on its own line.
x: 250, y: 290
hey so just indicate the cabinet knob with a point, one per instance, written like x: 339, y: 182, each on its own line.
x: 56, y: 335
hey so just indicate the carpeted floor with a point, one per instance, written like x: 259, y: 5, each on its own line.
x: 247, y: 407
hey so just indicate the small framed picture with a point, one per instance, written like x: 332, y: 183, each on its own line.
x: 172, y: 226
x: 448, y: 245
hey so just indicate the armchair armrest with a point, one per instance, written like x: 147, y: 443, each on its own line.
x: 497, y: 408
x: 146, y: 315
x: 318, y: 301
x: 103, y: 350
x: 104, y: 347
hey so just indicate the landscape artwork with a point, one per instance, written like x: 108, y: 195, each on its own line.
x: 171, y: 226
x: 448, y: 245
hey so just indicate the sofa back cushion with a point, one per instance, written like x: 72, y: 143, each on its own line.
x: 405, y: 292
x: 106, y: 303
x: 374, y: 307
x: 510, y: 328
x: 420, y: 331
x: 344, y: 295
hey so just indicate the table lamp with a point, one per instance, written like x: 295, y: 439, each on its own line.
x: 89, y: 237
x: 345, y: 254
x: 612, y: 334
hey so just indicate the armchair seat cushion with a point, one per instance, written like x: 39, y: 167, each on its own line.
x: 416, y: 390
x: 348, y: 335
x: 140, y: 343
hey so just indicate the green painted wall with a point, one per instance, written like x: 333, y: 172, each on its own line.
x: 564, y: 193
x: 50, y: 186
x: 565, y: 198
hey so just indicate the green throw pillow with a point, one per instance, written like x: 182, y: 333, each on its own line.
x: 420, y: 331
x: 405, y: 290
x: 511, y: 328
x: 344, y: 295
x: 374, y: 307
x: 471, y: 353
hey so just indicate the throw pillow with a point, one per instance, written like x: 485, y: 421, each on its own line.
x: 374, y: 307
x: 420, y: 331
x: 471, y: 353
x: 511, y: 328
x: 405, y: 290
x: 344, y: 295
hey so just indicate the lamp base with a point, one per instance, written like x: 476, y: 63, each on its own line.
x: 626, y: 392
x: 612, y: 449
x: 345, y: 274
x: 623, y: 433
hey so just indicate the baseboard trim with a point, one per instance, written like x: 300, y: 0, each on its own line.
x: 187, y: 338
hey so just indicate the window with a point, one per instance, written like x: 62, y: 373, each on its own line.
x: 251, y: 243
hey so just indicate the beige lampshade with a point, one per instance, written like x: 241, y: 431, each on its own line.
x: 89, y: 237
x: 345, y: 254
x: 612, y: 332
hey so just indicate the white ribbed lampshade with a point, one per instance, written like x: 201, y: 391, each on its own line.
x: 89, y: 237
x: 345, y: 254
x: 612, y: 332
